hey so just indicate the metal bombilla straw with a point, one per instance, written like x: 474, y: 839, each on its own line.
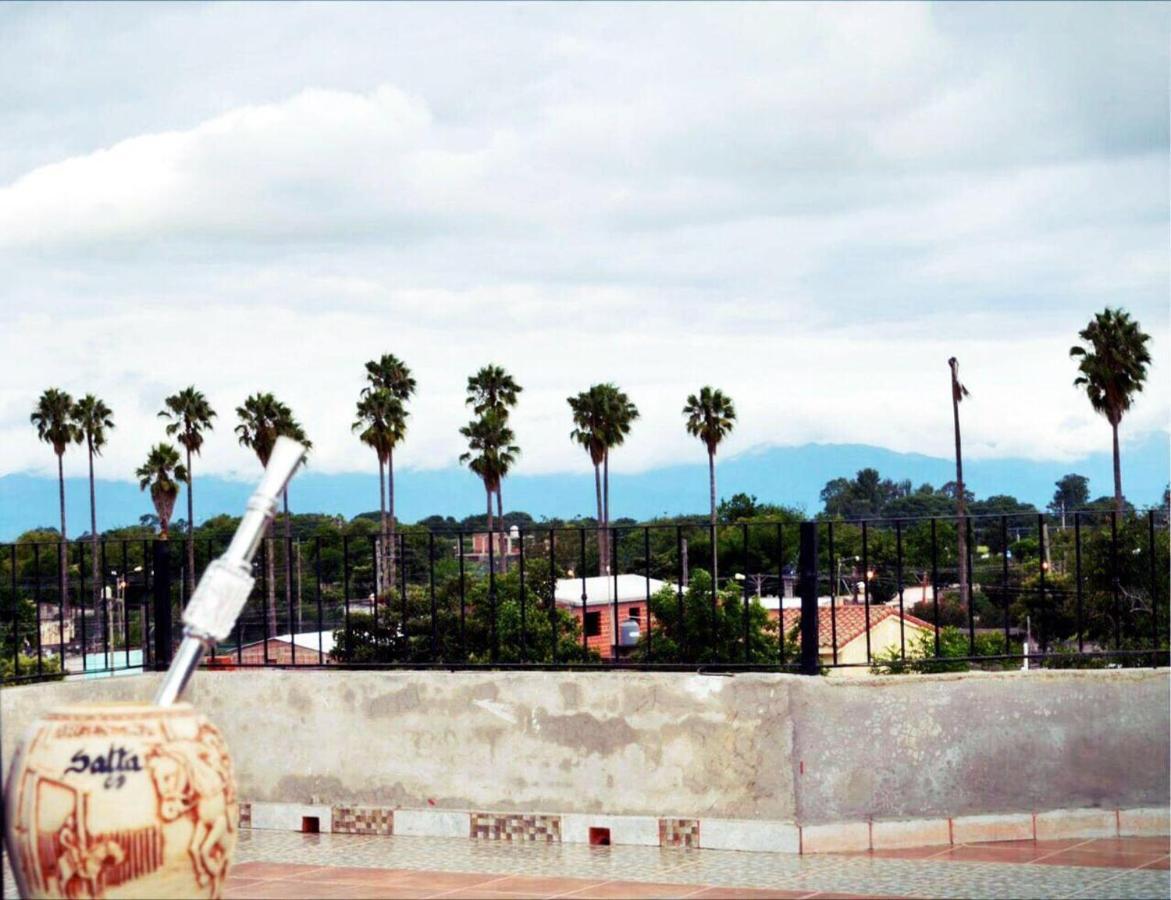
x: 223, y: 590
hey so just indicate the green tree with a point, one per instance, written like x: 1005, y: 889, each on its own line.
x: 494, y: 390
x: 381, y: 424
x: 161, y: 473
x: 391, y: 374
x: 491, y: 452
x: 263, y: 419
x: 1112, y: 367
x: 711, y: 417
x: 1073, y: 493
x: 53, y: 419
x: 93, y: 419
x: 702, y: 630
x: 190, y: 416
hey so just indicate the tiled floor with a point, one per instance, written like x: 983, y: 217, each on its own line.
x: 288, y: 866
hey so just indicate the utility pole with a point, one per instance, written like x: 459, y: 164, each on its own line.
x: 958, y: 392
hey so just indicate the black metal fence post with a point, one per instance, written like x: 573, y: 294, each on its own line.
x: 807, y: 588
x: 162, y: 604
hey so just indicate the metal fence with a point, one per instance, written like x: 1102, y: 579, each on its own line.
x: 884, y: 595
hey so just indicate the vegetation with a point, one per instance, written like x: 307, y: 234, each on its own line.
x: 711, y: 418
x: 1112, y: 367
x: 190, y: 416
x: 159, y: 474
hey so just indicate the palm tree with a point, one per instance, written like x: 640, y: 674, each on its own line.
x: 491, y: 452
x: 391, y: 373
x: 53, y: 418
x: 162, y: 473
x: 93, y: 419
x: 190, y: 416
x: 493, y: 389
x: 711, y: 417
x: 958, y: 393
x: 620, y: 414
x: 602, y: 418
x: 381, y: 424
x: 263, y: 419
x: 589, y: 417
x: 1112, y: 369
x: 388, y: 373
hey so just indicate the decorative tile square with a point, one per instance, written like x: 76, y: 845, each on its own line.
x: 678, y: 832
x: 363, y: 820
x: 516, y: 827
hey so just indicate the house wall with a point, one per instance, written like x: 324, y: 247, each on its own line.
x: 883, y: 635
x: 753, y: 746
x: 603, y: 642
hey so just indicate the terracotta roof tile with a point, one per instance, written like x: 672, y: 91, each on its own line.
x: 851, y: 621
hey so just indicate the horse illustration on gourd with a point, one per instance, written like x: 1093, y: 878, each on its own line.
x: 100, y: 794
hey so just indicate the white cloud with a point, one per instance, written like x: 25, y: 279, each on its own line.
x: 812, y: 207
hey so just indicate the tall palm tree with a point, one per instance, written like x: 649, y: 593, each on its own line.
x: 381, y: 424
x: 493, y: 389
x: 53, y: 418
x: 190, y: 416
x: 390, y: 374
x: 1112, y: 367
x: 602, y: 418
x: 589, y: 431
x: 958, y: 393
x: 263, y: 419
x: 93, y: 419
x: 620, y: 414
x: 491, y: 452
x: 711, y: 417
x: 162, y: 473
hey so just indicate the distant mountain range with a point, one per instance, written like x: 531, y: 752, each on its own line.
x: 789, y: 475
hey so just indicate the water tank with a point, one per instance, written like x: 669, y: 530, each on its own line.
x: 628, y: 633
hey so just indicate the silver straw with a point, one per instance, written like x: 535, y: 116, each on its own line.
x: 226, y: 583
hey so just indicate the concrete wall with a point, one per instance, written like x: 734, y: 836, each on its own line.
x: 752, y: 746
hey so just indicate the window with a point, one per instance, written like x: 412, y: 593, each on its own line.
x: 593, y: 624
x: 635, y: 612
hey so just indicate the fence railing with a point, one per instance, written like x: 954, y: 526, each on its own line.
x: 884, y: 595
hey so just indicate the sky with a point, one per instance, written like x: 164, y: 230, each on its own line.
x: 809, y: 206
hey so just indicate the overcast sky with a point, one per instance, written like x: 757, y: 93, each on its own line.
x: 811, y: 207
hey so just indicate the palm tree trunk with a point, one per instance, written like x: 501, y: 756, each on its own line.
x: 381, y: 583
x: 190, y: 530
x: 488, y: 491
x: 287, y: 555
x: 500, y: 523
x: 961, y: 523
x: 606, y: 506
x: 601, y: 519
x: 391, y: 549
x: 711, y: 471
x: 63, y: 562
x: 270, y: 578
x: 1117, y: 472
x: 95, y: 570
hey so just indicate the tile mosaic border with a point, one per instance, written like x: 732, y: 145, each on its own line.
x: 750, y: 835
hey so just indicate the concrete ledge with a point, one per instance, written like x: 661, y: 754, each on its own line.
x: 1075, y: 823
x: 910, y: 833
x: 290, y: 816
x: 844, y: 837
x: 432, y: 823
x: 982, y: 829
x: 1148, y: 822
x: 638, y: 830
x: 748, y: 835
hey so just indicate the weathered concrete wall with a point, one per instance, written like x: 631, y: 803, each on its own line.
x: 957, y: 744
x: 752, y: 746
